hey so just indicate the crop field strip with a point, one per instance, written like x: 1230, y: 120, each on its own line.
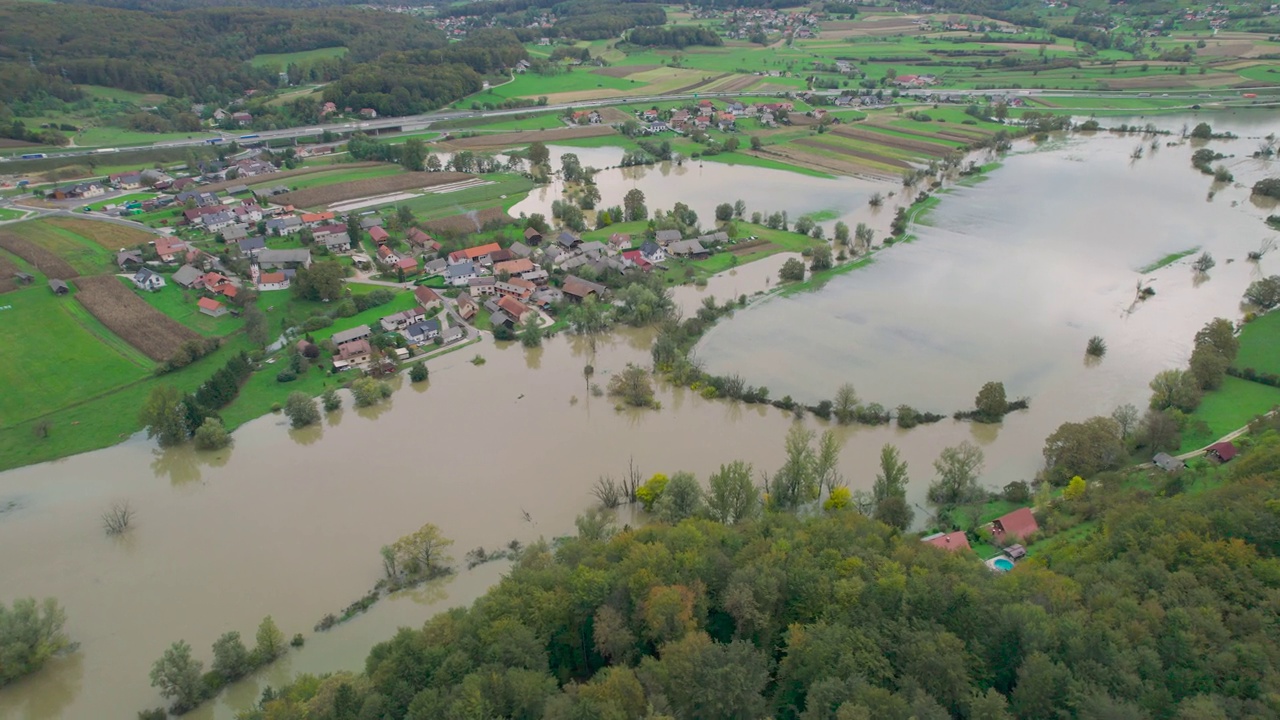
x: 155, y: 334
x: 367, y: 188
x: 45, y: 261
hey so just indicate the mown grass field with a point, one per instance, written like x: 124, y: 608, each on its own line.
x: 180, y: 304
x: 1260, y: 344
x: 1229, y: 408
x: 283, y: 60
x: 330, y: 177
x: 86, y: 256
x: 57, y: 354
x: 503, y: 191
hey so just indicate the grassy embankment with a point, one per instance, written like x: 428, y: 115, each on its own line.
x: 282, y: 60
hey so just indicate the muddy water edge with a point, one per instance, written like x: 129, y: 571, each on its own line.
x: 288, y: 523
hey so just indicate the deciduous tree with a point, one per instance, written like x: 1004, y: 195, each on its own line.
x: 958, y: 468
x: 177, y: 675
x: 733, y: 495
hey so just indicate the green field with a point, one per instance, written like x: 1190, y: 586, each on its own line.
x: 1228, y: 409
x: 180, y: 304
x: 85, y: 256
x: 331, y: 177
x: 283, y: 60
x: 122, y: 199
x: 505, y: 190
x: 1260, y: 344
x: 57, y: 354
x: 7, y: 214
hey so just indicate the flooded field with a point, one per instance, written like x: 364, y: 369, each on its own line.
x: 1011, y: 279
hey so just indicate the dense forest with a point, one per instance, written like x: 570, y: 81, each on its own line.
x: 577, y: 19
x: 1164, y: 607
x: 674, y: 36
x: 396, y: 64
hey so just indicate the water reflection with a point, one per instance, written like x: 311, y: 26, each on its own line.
x: 308, y: 435
x: 182, y: 465
x: 48, y: 693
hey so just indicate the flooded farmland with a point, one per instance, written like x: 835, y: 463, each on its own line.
x: 1010, y: 279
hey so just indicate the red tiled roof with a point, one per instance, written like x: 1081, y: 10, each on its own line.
x: 1224, y: 450
x: 407, y: 263
x: 426, y: 295
x: 512, y: 307
x: 208, y: 304
x: 1020, y: 523
x: 271, y: 278
x: 953, y: 542
x: 377, y: 234
x: 472, y: 253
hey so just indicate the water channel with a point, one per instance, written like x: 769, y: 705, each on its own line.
x: 1012, y: 277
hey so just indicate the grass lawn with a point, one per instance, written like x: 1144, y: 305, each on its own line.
x: 505, y: 190
x: 57, y: 355
x: 121, y: 200
x: 1260, y: 344
x: 1229, y: 408
x: 6, y: 214
x: 180, y: 304
x: 283, y: 60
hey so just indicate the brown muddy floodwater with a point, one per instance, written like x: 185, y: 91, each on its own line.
x: 1014, y: 276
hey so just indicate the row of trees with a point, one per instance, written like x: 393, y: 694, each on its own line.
x: 181, y: 678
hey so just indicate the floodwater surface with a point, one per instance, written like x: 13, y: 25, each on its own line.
x: 1012, y: 278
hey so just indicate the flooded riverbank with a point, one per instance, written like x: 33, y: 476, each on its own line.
x: 1008, y: 283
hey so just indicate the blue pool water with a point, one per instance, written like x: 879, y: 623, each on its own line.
x: 1002, y: 564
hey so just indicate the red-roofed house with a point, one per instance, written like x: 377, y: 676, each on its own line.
x: 951, y: 542
x: 408, y: 264
x: 1020, y: 524
x: 273, y: 281
x: 209, y: 306
x: 1222, y: 452
x: 429, y: 299
x: 635, y: 257
x: 420, y: 239
x: 515, y: 287
x: 170, y: 249
x: 386, y: 254
x: 479, y: 252
x: 315, y: 219
x: 351, y: 353
x: 512, y: 307
x: 378, y: 235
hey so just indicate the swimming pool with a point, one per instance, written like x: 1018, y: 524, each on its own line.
x: 1002, y: 564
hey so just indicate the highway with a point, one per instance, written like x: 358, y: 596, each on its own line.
x: 413, y: 123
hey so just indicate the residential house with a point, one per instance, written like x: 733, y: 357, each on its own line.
x: 216, y: 222
x: 466, y: 306
x: 951, y: 542
x: 273, y: 281
x: 250, y: 247
x: 331, y: 229
x: 1222, y: 451
x: 218, y: 283
x: 59, y: 287
x: 242, y: 118
x: 532, y: 236
x: 520, y: 250
x: 234, y: 233
x: 688, y: 249
x: 370, y: 222
x: 401, y: 320
x: 595, y: 249
x: 635, y: 258
x: 666, y: 237
x: 423, y: 331
x: 435, y: 267
x: 387, y: 255
x: 378, y: 235
x: 1168, y: 463
x: 500, y: 255
x: 359, y: 332
x: 620, y: 241
x: 429, y: 299
x: 453, y: 334
x: 328, y: 109
x: 78, y: 190
x: 211, y: 307
x: 479, y: 253
x: 1011, y: 527
x: 514, y: 309
x: 126, y: 181
x: 353, y: 353
x: 482, y: 285
x: 653, y: 252
x: 420, y: 239
x: 368, y: 113
x: 284, y: 258
x: 408, y: 265
x: 337, y: 242
x: 170, y: 249
x: 238, y: 190
x: 314, y: 220
x: 515, y: 287
x: 186, y: 276
x: 128, y: 258
x: 577, y: 289
x: 714, y: 238
x: 459, y: 274
x: 146, y: 279
x: 286, y: 225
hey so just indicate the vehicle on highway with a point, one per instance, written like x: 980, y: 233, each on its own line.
x: 106, y: 150
x: 34, y: 156
x: 248, y: 137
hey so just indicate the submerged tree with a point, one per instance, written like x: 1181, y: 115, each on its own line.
x: 958, y: 468
x: 1096, y: 347
x: 30, y: 634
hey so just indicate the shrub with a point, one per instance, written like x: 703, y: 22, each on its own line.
x: 286, y: 375
x: 301, y: 410
x: 418, y: 372
x: 316, y: 322
x: 369, y: 391
x: 1097, y: 347
x: 651, y: 491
